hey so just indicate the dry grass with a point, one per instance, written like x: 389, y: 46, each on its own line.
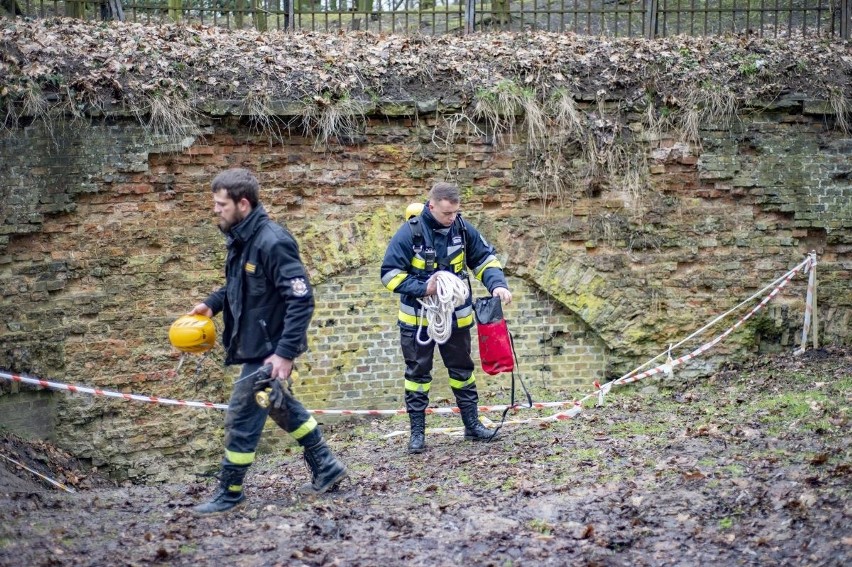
x: 842, y: 110
x: 168, y: 116
x: 500, y: 106
x: 340, y: 120
x: 257, y: 106
x: 706, y: 105
x: 566, y: 119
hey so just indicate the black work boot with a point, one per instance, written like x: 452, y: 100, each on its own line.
x: 326, y: 470
x: 229, y: 495
x: 473, y: 428
x: 417, y: 442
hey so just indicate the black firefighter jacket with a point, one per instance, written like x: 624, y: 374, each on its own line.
x: 459, y: 246
x: 266, y: 302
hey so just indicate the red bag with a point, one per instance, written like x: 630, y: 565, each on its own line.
x: 495, y: 344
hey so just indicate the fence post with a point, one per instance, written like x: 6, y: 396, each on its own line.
x: 651, y: 18
x: 258, y: 9
x: 175, y: 10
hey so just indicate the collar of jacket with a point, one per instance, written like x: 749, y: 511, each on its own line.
x: 245, y: 229
x: 432, y: 223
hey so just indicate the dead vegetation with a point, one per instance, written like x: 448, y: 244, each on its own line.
x: 568, y: 98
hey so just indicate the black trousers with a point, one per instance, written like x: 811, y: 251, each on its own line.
x: 418, y: 367
x: 245, y: 419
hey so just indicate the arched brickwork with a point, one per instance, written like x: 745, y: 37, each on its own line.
x: 354, y: 361
x: 104, y: 243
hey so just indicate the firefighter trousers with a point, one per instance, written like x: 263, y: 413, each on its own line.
x: 455, y: 354
x: 245, y: 419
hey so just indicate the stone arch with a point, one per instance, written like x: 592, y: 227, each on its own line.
x: 354, y: 361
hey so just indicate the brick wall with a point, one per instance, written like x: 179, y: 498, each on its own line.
x: 28, y: 413
x: 107, y: 236
x: 354, y: 360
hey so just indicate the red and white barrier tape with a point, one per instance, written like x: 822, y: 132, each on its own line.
x: 670, y: 364
x: 576, y: 405
x: 211, y: 405
x: 809, y: 302
x: 107, y: 393
x: 38, y: 474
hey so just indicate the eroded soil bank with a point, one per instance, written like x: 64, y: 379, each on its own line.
x: 749, y: 467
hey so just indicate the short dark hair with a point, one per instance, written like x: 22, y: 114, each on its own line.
x: 239, y: 184
x: 443, y: 191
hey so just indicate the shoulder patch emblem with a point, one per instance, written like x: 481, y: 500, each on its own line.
x: 299, y: 286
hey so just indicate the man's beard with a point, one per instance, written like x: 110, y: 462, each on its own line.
x: 225, y: 226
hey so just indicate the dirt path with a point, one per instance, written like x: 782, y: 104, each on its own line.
x: 749, y: 467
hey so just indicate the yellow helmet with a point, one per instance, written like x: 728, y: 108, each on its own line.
x: 413, y: 210
x: 193, y: 333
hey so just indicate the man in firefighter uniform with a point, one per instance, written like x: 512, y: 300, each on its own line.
x: 266, y: 304
x: 438, y: 239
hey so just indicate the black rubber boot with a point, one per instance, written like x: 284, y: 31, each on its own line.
x: 417, y: 442
x: 473, y: 428
x: 229, y: 495
x: 326, y: 470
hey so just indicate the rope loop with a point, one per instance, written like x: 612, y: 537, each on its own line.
x: 452, y: 292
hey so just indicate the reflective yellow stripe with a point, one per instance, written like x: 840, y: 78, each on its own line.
x: 305, y: 428
x: 396, y: 280
x: 462, y: 322
x: 459, y: 384
x: 465, y: 321
x: 235, y: 488
x: 492, y: 264
x: 418, y: 263
x: 412, y: 319
x: 417, y: 386
x: 457, y: 263
x: 239, y: 458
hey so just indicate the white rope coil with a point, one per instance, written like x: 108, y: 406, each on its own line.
x: 452, y: 292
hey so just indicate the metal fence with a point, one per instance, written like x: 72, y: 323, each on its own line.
x: 612, y: 18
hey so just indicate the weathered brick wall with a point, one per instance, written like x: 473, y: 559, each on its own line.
x: 28, y: 413
x: 106, y: 238
x: 354, y: 360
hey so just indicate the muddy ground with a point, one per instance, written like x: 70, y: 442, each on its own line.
x: 749, y: 467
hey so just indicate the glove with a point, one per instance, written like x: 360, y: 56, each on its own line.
x: 277, y: 395
x: 270, y: 393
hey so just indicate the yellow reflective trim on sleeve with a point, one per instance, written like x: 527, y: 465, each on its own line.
x: 396, y: 280
x: 463, y: 322
x: 417, y: 386
x: 492, y: 264
x: 412, y: 319
x: 305, y: 428
x: 459, y: 384
x: 239, y: 458
x: 418, y: 263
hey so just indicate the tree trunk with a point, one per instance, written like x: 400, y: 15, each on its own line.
x: 112, y: 10
x: 10, y: 8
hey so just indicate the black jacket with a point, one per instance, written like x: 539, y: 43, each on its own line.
x: 267, y: 301
x: 405, y: 270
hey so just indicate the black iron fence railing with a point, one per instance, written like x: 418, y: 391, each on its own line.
x: 613, y: 18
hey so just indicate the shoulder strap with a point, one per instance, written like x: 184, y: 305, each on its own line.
x: 463, y: 226
x: 416, y: 233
